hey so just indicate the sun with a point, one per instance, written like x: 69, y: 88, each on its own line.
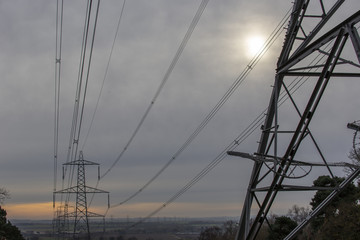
x: 254, y: 45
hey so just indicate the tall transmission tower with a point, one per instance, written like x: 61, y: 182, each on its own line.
x: 307, y: 56
x: 81, y: 213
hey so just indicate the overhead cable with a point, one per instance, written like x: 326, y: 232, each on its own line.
x: 274, y: 35
x: 255, y: 124
x: 80, y: 97
x: 105, y: 75
x: 173, y: 63
x: 75, y: 122
x: 69, y: 156
x: 58, y: 48
x: 88, y: 72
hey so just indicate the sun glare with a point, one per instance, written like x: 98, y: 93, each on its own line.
x: 254, y: 45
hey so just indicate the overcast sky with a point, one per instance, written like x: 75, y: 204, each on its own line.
x: 149, y: 36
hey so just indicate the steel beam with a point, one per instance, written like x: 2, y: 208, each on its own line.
x: 268, y: 141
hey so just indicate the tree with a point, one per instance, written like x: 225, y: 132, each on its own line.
x: 4, y: 194
x: 281, y: 228
x: 7, y: 230
x: 350, y: 194
x: 342, y: 225
x: 226, y: 232
x: 229, y: 230
x: 298, y: 214
x: 211, y: 233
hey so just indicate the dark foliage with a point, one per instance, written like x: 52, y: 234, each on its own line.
x: 349, y: 194
x: 281, y: 228
x: 211, y: 233
x: 4, y: 194
x: 345, y: 224
x: 7, y: 230
x: 226, y: 232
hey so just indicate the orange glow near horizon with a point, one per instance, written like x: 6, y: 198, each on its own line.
x: 45, y: 211
x: 29, y: 210
x: 35, y: 211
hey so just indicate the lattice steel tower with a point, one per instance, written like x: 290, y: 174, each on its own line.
x: 306, y: 55
x: 81, y: 214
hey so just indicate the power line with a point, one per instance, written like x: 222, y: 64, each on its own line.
x: 70, y: 150
x: 73, y: 142
x: 70, y: 153
x: 164, y: 80
x: 244, y: 134
x: 247, y: 132
x: 80, y: 97
x: 88, y: 71
x: 58, y: 48
x: 182, y: 46
x: 255, y: 124
x: 246, y: 71
x: 284, y: 96
x: 106, y: 72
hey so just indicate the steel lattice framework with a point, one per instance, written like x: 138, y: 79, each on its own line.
x: 307, y: 55
x: 81, y: 214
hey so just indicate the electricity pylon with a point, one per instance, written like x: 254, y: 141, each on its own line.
x: 81, y: 214
x: 61, y: 221
x: 306, y: 56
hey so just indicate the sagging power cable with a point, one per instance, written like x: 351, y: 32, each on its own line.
x: 173, y: 63
x: 105, y: 75
x: 255, y: 124
x: 271, y: 39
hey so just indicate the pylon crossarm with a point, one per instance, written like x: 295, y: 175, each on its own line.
x: 92, y: 214
x: 86, y: 189
x: 269, y: 158
x: 317, y: 74
x: 67, y: 190
x: 81, y: 162
x: 94, y: 190
x: 89, y: 214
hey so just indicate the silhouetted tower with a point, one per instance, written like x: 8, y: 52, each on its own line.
x: 61, y: 222
x: 306, y: 55
x: 81, y: 214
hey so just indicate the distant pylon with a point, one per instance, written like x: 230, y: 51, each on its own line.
x: 61, y: 222
x: 81, y: 214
